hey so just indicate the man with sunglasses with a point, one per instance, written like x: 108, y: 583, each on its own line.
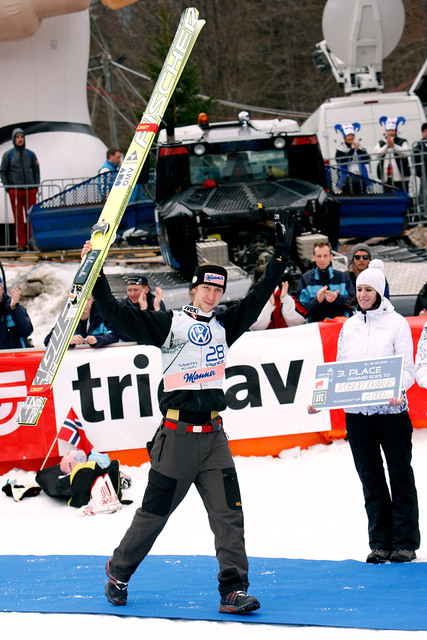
x: 360, y: 258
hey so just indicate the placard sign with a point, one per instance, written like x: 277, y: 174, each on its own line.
x: 358, y: 383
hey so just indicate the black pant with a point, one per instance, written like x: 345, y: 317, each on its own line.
x: 177, y: 461
x: 392, y: 519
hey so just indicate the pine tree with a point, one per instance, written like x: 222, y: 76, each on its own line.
x: 186, y: 102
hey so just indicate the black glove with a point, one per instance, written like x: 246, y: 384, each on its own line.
x: 284, y: 222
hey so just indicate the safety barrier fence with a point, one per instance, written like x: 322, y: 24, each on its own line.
x: 268, y: 383
x: 53, y: 194
x: 359, y: 177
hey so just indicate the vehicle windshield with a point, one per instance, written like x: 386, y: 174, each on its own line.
x: 243, y: 166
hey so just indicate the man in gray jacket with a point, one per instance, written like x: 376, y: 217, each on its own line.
x: 20, y: 174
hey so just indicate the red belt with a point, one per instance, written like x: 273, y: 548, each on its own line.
x: 192, y: 428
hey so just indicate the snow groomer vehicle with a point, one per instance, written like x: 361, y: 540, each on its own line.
x: 218, y: 185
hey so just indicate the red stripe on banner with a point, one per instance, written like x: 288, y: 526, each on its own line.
x: 22, y: 446
x: 416, y: 395
x: 152, y: 126
x: 13, y: 408
x: 329, y: 332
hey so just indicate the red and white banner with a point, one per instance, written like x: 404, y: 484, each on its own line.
x: 114, y: 391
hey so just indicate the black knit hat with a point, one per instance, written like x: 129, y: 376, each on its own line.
x: 212, y: 274
x: 141, y: 280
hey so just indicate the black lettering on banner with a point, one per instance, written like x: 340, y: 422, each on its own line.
x: 143, y: 383
x: 85, y: 385
x: 284, y: 393
x: 253, y: 397
x: 116, y: 386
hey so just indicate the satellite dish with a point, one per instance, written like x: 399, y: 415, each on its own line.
x: 362, y: 33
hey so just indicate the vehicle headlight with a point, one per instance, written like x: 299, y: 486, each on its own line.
x: 199, y: 149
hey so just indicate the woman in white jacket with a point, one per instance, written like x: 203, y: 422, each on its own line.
x: 376, y: 330
x: 421, y: 359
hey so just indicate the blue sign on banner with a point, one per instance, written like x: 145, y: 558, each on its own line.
x: 358, y: 383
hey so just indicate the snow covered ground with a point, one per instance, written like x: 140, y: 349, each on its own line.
x: 303, y: 504
x: 44, y: 288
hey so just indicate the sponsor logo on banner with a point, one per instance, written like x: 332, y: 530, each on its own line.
x: 13, y: 391
x: 322, y: 383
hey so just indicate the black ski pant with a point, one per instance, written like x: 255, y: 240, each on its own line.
x: 392, y: 514
x: 177, y: 461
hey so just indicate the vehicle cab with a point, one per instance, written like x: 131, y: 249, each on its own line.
x: 225, y: 180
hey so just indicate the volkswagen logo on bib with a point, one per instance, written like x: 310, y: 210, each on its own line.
x: 199, y: 334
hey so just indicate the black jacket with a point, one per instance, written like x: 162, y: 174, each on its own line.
x: 152, y: 328
x: 15, y: 325
x: 19, y: 166
x: 150, y: 307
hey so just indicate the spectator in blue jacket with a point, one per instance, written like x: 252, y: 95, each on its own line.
x: 325, y: 292
x: 15, y: 323
x: 110, y: 168
x: 114, y: 157
x: 92, y: 329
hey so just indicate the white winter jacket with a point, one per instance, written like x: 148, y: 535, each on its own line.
x: 376, y: 334
x: 421, y: 359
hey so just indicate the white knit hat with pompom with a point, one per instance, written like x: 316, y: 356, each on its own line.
x: 373, y: 276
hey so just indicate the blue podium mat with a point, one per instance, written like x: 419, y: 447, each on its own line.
x: 292, y: 592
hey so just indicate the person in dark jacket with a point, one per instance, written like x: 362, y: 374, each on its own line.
x: 360, y: 258
x: 15, y: 323
x: 420, y: 164
x: 420, y: 153
x: 20, y: 174
x: 92, y: 329
x: 190, y: 446
x: 421, y: 302
x: 139, y: 296
x: 324, y: 291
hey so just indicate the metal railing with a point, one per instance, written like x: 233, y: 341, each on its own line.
x: 47, y: 189
x: 357, y: 179
x: 74, y: 192
x: 71, y: 192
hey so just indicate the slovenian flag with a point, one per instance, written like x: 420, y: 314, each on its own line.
x: 73, y: 432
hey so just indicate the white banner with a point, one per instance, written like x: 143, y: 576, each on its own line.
x: 268, y: 385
